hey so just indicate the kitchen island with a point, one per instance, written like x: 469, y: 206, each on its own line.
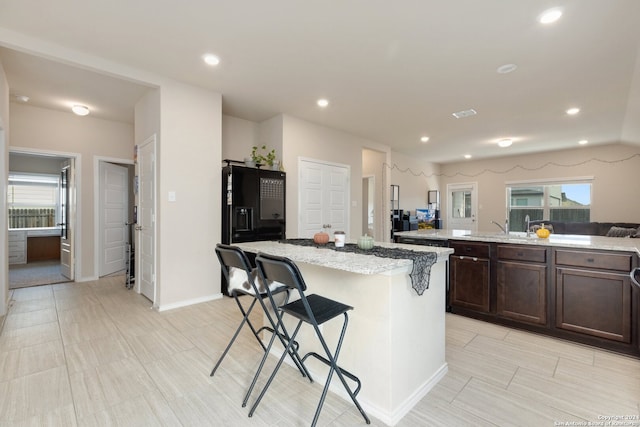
x: 395, y: 341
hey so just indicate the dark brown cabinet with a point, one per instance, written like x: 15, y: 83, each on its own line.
x: 593, y: 293
x: 470, y: 276
x: 522, y: 284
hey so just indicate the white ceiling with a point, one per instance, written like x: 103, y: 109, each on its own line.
x: 392, y: 71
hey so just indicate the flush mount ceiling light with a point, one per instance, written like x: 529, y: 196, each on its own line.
x: 424, y: 139
x: 505, y: 142
x: 22, y: 98
x: 467, y: 156
x: 550, y: 16
x: 573, y: 111
x: 465, y: 113
x: 211, y: 59
x: 583, y: 142
x: 80, y: 110
x: 506, y: 68
x: 322, y: 103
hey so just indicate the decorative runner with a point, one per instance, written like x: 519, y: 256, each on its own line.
x: 422, y: 261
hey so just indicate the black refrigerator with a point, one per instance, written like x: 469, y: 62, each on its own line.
x: 253, y: 205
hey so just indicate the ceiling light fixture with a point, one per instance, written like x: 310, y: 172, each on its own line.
x: 550, y: 16
x: 505, y: 142
x: 424, y: 139
x: 467, y: 156
x: 583, y: 142
x: 323, y: 103
x: 22, y: 98
x: 506, y: 68
x: 211, y: 59
x: 465, y: 113
x: 573, y: 111
x: 80, y: 110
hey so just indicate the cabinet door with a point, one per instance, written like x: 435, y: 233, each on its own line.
x: 469, y: 286
x: 594, y: 303
x: 522, y: 292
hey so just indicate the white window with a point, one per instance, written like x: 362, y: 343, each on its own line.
x: 562, y: 200
x: 33, y: 200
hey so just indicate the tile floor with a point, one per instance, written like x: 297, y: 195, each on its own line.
x: 94, y: 354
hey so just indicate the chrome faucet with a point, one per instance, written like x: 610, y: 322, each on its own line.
x: 504, y: 229
x: 527, y: 219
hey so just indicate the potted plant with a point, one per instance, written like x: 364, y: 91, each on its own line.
x: 271, y: 160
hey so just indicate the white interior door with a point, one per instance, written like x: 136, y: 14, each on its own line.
x: 67, y: 215
x: 324, y: 197
x: 113, y: 214
x: 146, y: 224
x: 462, y: 206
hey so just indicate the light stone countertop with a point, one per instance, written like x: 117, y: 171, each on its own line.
x: 346, y: 261
x: 625, y: 244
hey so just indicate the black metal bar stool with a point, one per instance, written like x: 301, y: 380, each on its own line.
x: 234, y: 257
x: 313, y: 310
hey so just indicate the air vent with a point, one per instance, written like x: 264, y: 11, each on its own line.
x: 465, y: 113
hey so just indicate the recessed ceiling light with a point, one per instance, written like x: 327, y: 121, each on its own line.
x: 583, y: 142
x: 505, y: 142
x: 22, y: 98
x: 424, y: 139
x: 506, y: 68
x: 211, y: 59
x: 323, y: 103
x: 465, y: 113
x: 550, y: 16
x: 80, y: 110
x: 467, y: 156
x: 573, y: 111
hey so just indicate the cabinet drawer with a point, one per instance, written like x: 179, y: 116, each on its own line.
x: 472, y: 249
x: 599, y: 260
x: 17, y: 236
x: 522, y: 253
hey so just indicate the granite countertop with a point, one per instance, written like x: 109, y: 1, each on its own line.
x: 561, y: 240
x: 354, y: 263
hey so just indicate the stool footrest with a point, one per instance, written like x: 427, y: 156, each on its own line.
x: 344, y: 372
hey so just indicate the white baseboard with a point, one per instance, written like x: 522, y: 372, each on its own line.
x: 185, y: 303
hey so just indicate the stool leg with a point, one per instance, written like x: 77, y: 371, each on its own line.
x: 275, y: 370
x: 245, y: 319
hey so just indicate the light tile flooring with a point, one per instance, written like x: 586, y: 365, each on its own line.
x: 95, y: 354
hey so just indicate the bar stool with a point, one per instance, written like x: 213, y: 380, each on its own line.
x: 313, y: 310
x: 234, y: 257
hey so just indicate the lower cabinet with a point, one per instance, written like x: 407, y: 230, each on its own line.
x: 594, y: 303
x: 522, y: 292
x: 469, y: 283
x: 470, y: 276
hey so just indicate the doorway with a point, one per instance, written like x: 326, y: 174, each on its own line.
x: 41, y: 218
x: 113, y: 181
x: 462, y: 206
x: 324, y: 197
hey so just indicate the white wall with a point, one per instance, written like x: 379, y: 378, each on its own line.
x: 415, y: 177
x: 614, y: 198
x: 189, y: 164
x: 309, y: 140
x: 48, y: 130
x: 238, y: 136
x: 4, y: 161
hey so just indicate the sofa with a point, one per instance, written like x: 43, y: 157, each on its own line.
x: 608, y: 229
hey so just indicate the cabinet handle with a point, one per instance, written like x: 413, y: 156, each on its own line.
x: 520, y: 254
x: 590, y: 260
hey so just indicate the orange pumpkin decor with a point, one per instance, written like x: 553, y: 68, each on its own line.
x: 542, y: 232
x: 321, y: 238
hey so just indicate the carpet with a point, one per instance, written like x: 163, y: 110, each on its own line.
x: 34, y: 274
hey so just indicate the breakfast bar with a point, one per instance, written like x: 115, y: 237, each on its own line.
x: 395, y: 342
